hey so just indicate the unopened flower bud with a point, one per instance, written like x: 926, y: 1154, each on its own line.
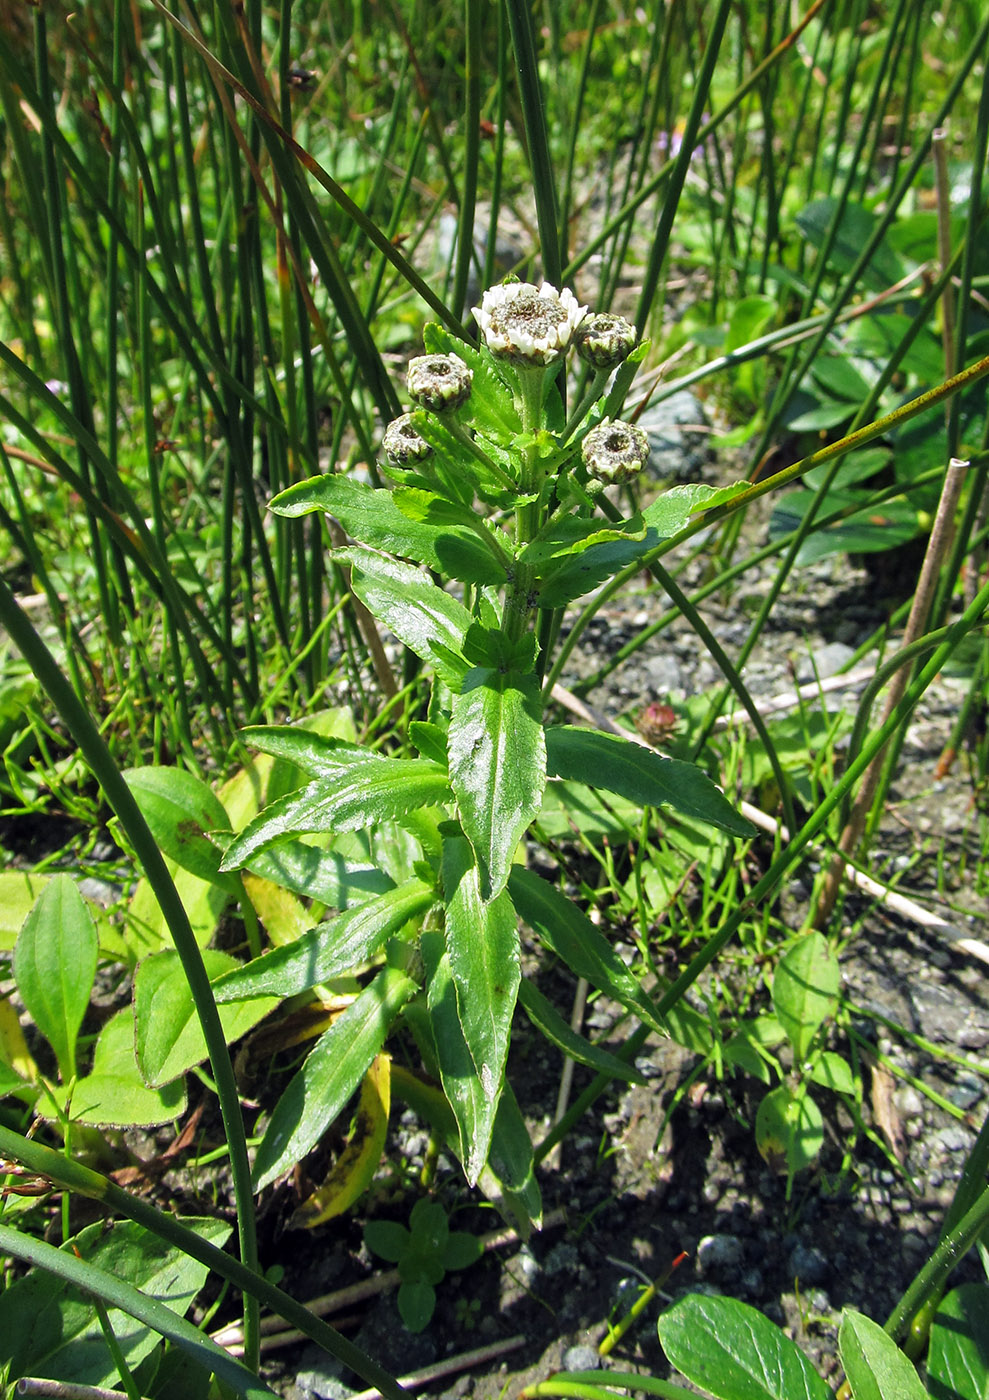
x: 527, y: 325
x: 439, y: 382
x: 604, y: 341
x: 615, y: 452
x: 402, y: 444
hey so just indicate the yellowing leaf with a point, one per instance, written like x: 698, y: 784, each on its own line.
x: 356, y: 1165
x: 13, y: 1046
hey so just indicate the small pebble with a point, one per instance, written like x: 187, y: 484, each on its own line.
x: 581, y: 1358
x: 720, y: 1254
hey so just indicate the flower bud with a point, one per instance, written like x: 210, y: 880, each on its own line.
x: 615, y: 452
x: 402, y: 444
x: 604, y: 341
x: 527, y: 325
x: 440, y: 383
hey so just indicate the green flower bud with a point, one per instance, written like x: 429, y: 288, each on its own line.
x: 402, y: 444
x: 439, y: 382
x: 604, y: 341
x: 527, y: 325
x: 615, y: 452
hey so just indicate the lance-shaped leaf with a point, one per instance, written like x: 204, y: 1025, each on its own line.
x: 316, y: 754
x: 497, y: 755
x: 567, y: 578
x: 358, y: 796
x: 473, y: 1109
x: 55, y: 964
x: 545, y: 1017
x: 319, y: 1092
x: 483, y: 945
x: 332, y: 949
x: 324, y: 875
x: 634, y: 772
x: 180, y: 808
x: 430, y: 622
x: 559, y: 924
x: 958, y: 1357
x: 353, y: 1171
x: 373, y: 518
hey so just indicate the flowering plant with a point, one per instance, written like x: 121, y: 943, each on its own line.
x: 494, y: 495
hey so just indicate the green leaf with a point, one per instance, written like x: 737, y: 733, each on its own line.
x: 958, y: 1356
x: 735, y: 1353
x: 170, y: 1038
x: 180, y: 808
x: 832, y: 1072
x: 332, y: 949
x: 548, y: 1021
x: 430, y: 622
x: 416, y: 1305
x: 750, y: 318
x: 573, y: 534
x: 114, y: 1095
x: 497, y: 756
x: 789, y: 1129
x: 461, y: 1250
x: 473, y: 1109
x: 573, y: 576
x: 334, y: 1068
x: 874, y: 1365
x: 319, y: 755
x: 49, y: 1328
x: 386, y: 1238
x: 855, y: 227
x: 55, y: 965
x: 509, y: 1178
x: 569, y: 934
x: 360, y: 795
x: 326, y: 876
x: 483, y: 945
x: 805, y: 990
x: 18, y: 892
x: 374, y: 518
x: 636, y: 773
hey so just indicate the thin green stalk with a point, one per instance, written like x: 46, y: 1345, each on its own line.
x: 932, y: 1277
x: 80, y: 725
x: 587, y: 1385
x: 786, y: 859
x: 552, y: 238
x: 72, y: 1176
x: 472, y: 153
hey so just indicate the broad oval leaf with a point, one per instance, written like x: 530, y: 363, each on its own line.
x: 735, y: 1353
x: 497, y: 758
x: 874, y: 1365
x: 169, y: 1037
x: 483, y: 943
x: 180, y: 808
x: 18, y: 891
x: 360, y: 795
x: 55, y: 964
x: 114, y: 1095
x: 636, y: 773
x: 49, y: 1328
x: 430, y: 622
x: 958, y: 1356
x: 805, y: 990
x: 333, y: 948
x: 789, y: 1129
x: 334, y: 1068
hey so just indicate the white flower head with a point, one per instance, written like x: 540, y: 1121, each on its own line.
x: 526, y: 324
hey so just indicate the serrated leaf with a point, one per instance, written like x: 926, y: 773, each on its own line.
x: 958, y: 1355
x: 169, y: 1037
x: 473, y: 1110
x: 497, y: 758
x: 180, y: 808
x: 319, y: 755
x: 429, y: 621
x: 548, y: 1021
x: 49, y: 1328
x: 114, y: 1095
x: 636, y: 773
x: 359, y: 796
x: 373, y: 518
x: 55, y: 965
x: 875, y: 1367
x: 334, y: 1068
x: 573, y: 576
x: 326, y: 876
x: 336, y: 947
x: 805, y: 990
x: 789, y: 1130
x: 735, y: 1353
x: 569, y: 933
x: 353, y: 1171
x: 483, y: 945
x: 573, y: 534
